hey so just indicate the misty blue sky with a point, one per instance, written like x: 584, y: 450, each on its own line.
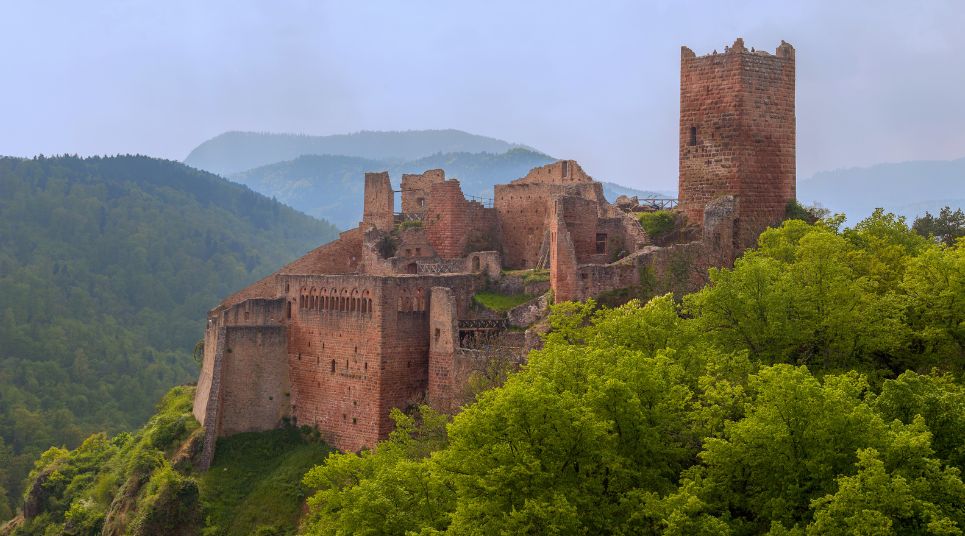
x: 877, y: 81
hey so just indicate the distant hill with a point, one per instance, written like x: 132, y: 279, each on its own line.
x: 331, y: 186
x: 233, y: 152
x: 906, y: 188
x: 107, y: 267
x: 612, y: 190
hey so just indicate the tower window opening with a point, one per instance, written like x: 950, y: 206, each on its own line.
x: 693, y: 136
x: 601, y: 243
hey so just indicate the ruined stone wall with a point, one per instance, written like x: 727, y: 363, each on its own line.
x: 341, y: 256
x: 443, y: 341
x: 334, y: 351
x: 379, y: 201
x: 563, y: 263
x: 454, y: 225
x: 255, y: 384
x: 416, y: 189
x: 524, y: 208
x: 737, y: 134
x: 561, y: 172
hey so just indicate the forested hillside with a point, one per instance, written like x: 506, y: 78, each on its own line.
x: 815, y: 388
x: 233, y: 152
x: 107, y: 266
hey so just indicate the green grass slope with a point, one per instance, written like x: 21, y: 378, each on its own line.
x: 143, y: 483
x: 107, y: 267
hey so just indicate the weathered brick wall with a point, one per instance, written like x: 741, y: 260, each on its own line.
x: 443, y: 341
x: 455, y: 226
x: 563, y: 263
x: 524, y: 208
x: 334, y: 351
x: 379, y: 201
x: 737, y: 134
x: 255, y: 385
x: 416, y: 189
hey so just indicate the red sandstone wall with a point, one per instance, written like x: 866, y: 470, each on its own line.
x: 524, y: 208
x: 563, y: 262
x: 334, y: 352
x: 415, y: 187
x: 379, y: 202
x: 455, y: 226
x: 443, y: 341
x: 742, y: 105
x: 255, y: 386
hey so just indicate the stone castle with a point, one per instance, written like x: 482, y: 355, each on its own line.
x: 385, y: 317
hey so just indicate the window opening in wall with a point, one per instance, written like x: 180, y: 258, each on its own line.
x: 408, y: 252
x: 418, y: 252
x: 286, y: 287
x: 693, y: 135
x: 475, y: 264
x: 421, y: 202
x: 333, y: 366
x: 566, y: 167
x: 412, y: 268
x: 437, y: 334
x: 289, y: 312
x: 354, y: 420
x: 601, y: 242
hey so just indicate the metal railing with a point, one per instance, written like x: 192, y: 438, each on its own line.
x: 486, y: 202
x: 658, y: 203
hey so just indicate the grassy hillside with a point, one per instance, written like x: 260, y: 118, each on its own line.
x: 906, y: 188
x: 143, y: 483
x: 233, y: 152
x: 107, y: 266
x: 331, y: 186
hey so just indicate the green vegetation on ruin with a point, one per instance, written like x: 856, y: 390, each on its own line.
x: 533, y: 275
x: 657, y: 223
x: 500, y: 303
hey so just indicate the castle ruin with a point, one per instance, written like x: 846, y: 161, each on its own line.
x: 385, y: 317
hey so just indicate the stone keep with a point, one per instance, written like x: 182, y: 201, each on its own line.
x: 737, y: 135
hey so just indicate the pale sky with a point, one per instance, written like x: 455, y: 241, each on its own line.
x: 877, y: 81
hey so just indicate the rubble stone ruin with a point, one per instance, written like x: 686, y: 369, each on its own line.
x: 386, y: 316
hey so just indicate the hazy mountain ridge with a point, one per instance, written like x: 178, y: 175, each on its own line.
x: 234, y: 152
x: 905, y: 188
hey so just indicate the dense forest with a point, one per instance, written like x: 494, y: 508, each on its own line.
x: 107, y: 266
x: 814, y: 388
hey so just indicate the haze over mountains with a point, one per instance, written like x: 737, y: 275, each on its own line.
x: 322, y: 175
x: 905, y: 188
x: 233, y: 152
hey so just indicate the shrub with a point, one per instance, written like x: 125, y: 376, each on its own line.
x: 657, y: 223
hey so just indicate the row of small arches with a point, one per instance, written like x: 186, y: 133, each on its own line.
x: 412, y: 301
x: 350, y: 301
